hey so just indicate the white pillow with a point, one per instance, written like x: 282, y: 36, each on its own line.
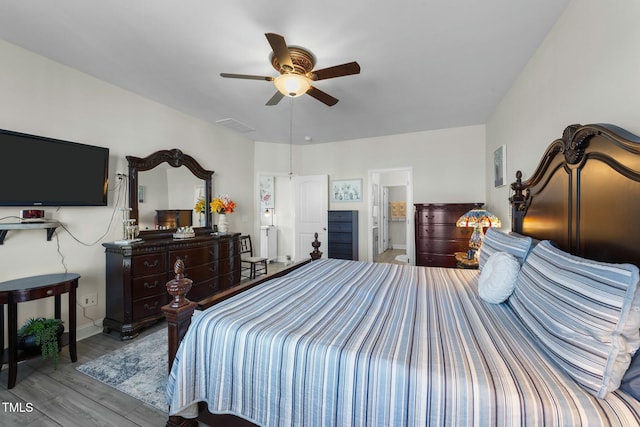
x: 498, y: 277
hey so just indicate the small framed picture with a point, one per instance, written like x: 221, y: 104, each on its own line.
x: 267, y: 198
x: 346, y: 190
x: 500, y: 166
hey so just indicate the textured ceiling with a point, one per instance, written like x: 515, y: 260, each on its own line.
x: 426, y: 64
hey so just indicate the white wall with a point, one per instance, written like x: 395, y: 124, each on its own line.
x: 43, y: 97
x: 587, y: 70
x: 448, y: 165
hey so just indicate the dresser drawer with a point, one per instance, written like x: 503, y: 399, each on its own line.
x: 201, y: 273
x: 340, y: 238
x: 439, y: 231
x: 436, y: 260
x: 225, y: 248
x: 340, y: 216
x: 149, y: 285
x: 203, y: 289
x: 145, y: 265
x: 225, y: 266
x: 442, y: 246
x: 227, y: 280
x: 342, y: 248
x: 191, y: 257
x: 341, y: 227
x: 149, y: 307
x: 439, y: 216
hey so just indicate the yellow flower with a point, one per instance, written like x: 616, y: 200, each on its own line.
x: 199, y: 207
x: 222, y: 205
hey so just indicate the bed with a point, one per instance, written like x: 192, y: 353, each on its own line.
x: 348, y: 343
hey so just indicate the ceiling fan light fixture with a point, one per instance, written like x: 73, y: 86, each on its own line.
x: 291, y: 84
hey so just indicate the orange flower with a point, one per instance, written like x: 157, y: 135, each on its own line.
x: 223, y: 205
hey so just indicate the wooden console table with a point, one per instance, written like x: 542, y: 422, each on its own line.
x: 16, y: 291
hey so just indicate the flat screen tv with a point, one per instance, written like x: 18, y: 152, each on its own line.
x: 39, y: 171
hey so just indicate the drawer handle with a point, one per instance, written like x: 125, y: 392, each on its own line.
x: 149, y: 265
x: 148, y: 307
x: 150, y: 286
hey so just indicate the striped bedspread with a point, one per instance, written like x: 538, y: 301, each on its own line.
x: 347, y: 343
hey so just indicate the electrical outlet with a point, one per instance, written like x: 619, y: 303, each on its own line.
x: 89, y: 300
x: 120, y: 175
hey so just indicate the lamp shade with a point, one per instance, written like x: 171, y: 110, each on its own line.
x: 292, y: 84
x: 478, y: 218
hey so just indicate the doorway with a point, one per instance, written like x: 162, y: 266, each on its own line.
x: 299, y: 210
x: 390, y: 226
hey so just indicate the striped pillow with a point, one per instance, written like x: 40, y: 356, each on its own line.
x: 585, y: 314
x: 495, y: 241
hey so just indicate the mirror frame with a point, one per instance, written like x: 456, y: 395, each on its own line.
x: 175, y: 158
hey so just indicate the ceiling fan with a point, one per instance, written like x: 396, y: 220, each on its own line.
x: 295, y: 66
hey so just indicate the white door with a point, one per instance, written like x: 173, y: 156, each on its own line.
x: 311, y: 202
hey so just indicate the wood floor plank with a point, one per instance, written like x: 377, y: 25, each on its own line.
x: 147, y: 416
x: 95, y: 390
x: 65, y: 405
x: 66, y: 397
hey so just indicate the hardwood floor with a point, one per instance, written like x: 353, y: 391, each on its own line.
x: 44, y: 396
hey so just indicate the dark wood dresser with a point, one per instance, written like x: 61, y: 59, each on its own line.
x: 343, y: 235
x: 437, y: 237
x: 137, y: 274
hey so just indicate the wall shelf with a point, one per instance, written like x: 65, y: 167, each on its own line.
x: 50, y: 226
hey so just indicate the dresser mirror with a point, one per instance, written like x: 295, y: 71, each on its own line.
x: 167, y: 180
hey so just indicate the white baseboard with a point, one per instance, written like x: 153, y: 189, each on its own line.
x: 88, y: 329
x: 400, y: 247
x: 283, y: 259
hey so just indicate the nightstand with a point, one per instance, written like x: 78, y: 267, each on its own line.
x: 463, y: 262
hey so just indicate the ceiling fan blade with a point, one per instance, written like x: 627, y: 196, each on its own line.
x: 246, y: 76
x: 280, y: 50
x: 275, y: 98
x: 322, y: 96
x: 336, y: 71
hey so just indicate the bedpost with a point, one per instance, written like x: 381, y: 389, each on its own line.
x: 179, y: 311
x: 518, y: 203
x: 316, y: 254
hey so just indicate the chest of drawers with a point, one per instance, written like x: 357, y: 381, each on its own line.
x: 343, y: 235
x: 136, y: 276
x: 436, y: 235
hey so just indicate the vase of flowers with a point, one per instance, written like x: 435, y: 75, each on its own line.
x: 200, y: 210
x: 222, y: 205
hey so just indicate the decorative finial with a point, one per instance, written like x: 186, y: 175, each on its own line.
x: 179, y: 286
x: 316, y: 254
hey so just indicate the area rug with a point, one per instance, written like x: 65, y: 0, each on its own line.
x: 138, y: 369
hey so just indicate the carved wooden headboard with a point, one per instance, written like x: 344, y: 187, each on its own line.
x: 584, y: 194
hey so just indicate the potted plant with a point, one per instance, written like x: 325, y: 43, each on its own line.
x: 42, y: 332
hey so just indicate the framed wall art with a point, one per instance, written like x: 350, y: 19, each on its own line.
x: 346, y: 190
x: 500, y: 166
x: 267, y: 197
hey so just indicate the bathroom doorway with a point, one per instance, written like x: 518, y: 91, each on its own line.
x: 391, y: 216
